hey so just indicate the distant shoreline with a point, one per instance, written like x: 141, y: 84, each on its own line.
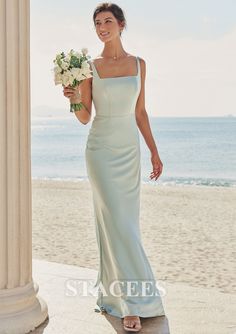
x: 219, y: 184
x: 65, y: 114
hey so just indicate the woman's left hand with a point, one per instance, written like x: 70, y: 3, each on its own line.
x: 157, y: 166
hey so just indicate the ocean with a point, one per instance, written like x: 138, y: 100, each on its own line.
x: 193, y: 150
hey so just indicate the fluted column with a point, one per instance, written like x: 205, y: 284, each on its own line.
x: 20, y: 308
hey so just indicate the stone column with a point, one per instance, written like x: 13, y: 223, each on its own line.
x: 21, y: 310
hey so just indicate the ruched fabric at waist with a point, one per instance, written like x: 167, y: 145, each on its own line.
x: 114, y: 131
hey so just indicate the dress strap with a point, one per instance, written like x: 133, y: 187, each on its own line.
x: 138, y: 65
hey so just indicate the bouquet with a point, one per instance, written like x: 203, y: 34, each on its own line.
x: 71, y: 70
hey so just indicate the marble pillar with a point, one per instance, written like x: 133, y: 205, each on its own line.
x: 21, y: 309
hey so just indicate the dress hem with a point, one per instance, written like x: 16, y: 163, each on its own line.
x: 102, y: 309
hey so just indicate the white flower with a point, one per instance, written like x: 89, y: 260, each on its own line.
x: 86, y: 69
x: 87, y: 73
x: 67, y: 78
x: 58, y: 78
x: 71, y: 76
x: 76, y: 72
x: 71, y: 53
x: 58, y: 56
x: 85, y: 65
x: 84, y: 51
x: 64, y: 65
x: 78, y: 55
x: 57, y: 69
x: 67, y: 58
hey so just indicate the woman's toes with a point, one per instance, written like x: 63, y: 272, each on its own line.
x: 132, y: 322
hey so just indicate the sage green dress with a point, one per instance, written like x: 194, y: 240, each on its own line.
x: 113, y: 165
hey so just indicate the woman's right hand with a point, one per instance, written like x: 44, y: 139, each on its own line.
x: 72, y: 93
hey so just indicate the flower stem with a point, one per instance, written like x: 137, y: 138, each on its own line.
x: 76, y: 106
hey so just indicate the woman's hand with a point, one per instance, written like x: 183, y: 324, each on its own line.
x: 72, y: 93
x: 157, y: 166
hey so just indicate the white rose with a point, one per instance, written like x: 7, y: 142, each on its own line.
x: 57, y: 69
x: 64, y: 65
x: 89, y: 75
x: 67, y: 58
x: 85, y: 64
x: 58, y: 56
x: 84, y: 51
x: 87, y: 72
x: 78, y: 55
x: 67, y: 78
x: 84, y: 75
x: 72, y: 52
x: 58, y: 78
x: 76, y: 72
x: 86, y: 69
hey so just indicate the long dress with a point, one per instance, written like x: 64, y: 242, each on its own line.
x: 112, y: 156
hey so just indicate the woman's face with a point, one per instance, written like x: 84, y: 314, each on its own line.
x: 107, y: 26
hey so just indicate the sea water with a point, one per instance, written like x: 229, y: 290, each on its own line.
x: 193, y: 150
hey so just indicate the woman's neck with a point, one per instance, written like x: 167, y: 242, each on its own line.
x: 113, y: 49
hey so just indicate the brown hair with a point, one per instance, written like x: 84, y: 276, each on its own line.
x: 114, y: 9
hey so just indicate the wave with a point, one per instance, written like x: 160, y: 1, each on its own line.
x: 165, y: 182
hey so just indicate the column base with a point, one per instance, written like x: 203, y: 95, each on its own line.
x: 21, y: 311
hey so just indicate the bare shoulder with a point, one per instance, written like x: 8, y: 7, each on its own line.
x: 142, y: 62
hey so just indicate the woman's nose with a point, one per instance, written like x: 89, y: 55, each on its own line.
x: 102, y: 27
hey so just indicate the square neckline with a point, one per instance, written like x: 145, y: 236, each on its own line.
x: 123, y: 76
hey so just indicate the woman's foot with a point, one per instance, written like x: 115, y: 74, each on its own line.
x: 132, y: 323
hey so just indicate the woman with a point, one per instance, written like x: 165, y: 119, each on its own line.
x: 113, y: 166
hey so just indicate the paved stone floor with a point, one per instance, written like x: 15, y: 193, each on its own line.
x: 189, y: 310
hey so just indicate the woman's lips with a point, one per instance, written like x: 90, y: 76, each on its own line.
x: 104, y: 34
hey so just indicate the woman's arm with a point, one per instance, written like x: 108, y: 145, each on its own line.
x: 144, y: 125
x: 85, y: 90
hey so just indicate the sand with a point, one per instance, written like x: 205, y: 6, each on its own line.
x: 188, y: 232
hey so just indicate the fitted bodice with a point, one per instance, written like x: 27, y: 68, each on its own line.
x: 115, y: 96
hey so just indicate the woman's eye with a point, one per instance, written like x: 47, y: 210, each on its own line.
x: 105, y: 22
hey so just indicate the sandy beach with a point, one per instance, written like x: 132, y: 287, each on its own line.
x: 188, y: 232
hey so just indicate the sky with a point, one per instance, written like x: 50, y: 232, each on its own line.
x: 189, y: 48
